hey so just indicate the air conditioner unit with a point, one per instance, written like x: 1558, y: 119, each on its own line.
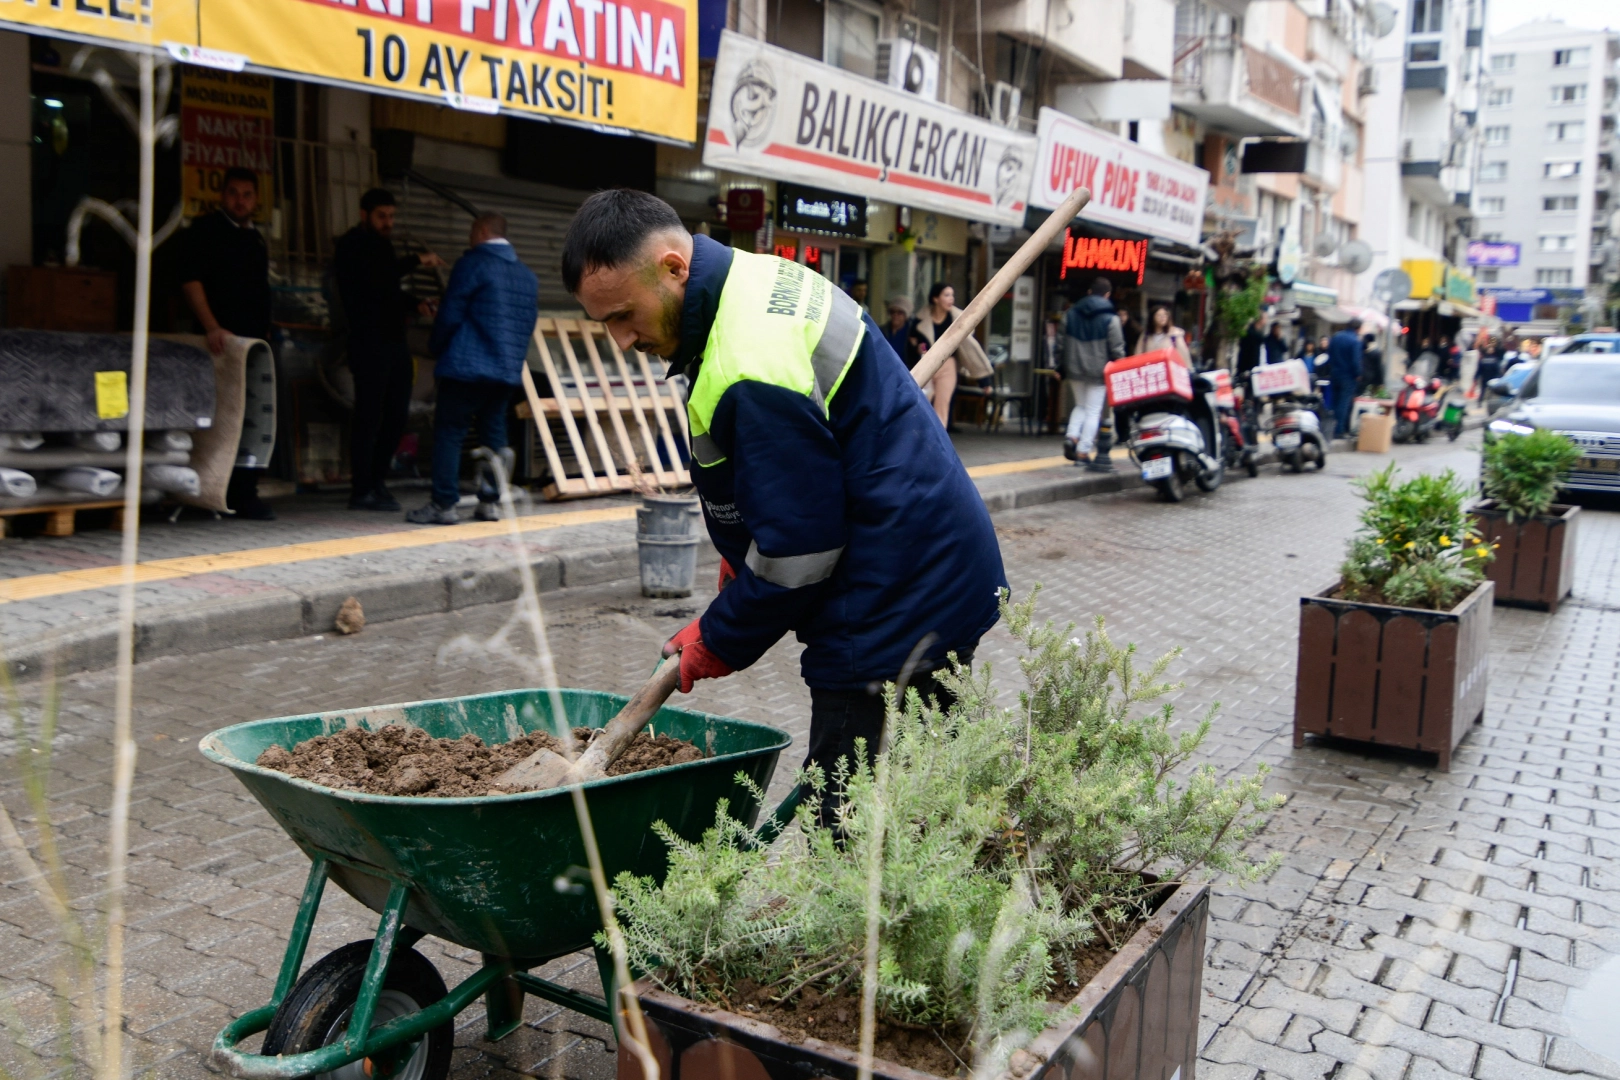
x: 905, y: 65
x: 1367, y: 81
x: 1005, y: 102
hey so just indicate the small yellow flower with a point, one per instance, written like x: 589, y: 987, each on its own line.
x: 1445, y: 541
x: 1410, y: 544
x: 1481, y: 552
x: 1380, y: 539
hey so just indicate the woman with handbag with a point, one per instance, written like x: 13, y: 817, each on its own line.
x: 971, y: 361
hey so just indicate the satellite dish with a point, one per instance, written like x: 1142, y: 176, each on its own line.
x: 1392, y: 285
x: 1383, y: 20
x: 1325, y: 245
x: 1356, y: 256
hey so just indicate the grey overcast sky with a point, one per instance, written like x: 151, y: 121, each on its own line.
x: 1591, y: 14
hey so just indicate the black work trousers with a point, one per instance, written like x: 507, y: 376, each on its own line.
x: 382, y: 402
x: 839, y: 717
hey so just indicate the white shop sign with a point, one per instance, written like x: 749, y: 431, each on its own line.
x: 775, y: 113
x: 1131, y: 188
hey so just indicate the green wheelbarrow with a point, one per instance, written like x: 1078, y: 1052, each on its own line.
x: 503, y: 875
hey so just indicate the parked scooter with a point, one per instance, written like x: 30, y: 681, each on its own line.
x: 1239, y: 448
x: 1168, y: 418
x: 1296, y: 423
x: 1417, y: 408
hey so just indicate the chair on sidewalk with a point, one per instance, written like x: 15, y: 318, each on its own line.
x: 1002, y: 392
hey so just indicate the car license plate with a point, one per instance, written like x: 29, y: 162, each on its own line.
x: 1288, y: 440
x: 1594, y: 464
x: 1158, y: 468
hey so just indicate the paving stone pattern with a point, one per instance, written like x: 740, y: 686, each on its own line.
x: 1423, y: 925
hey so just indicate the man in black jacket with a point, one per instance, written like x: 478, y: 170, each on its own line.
x: 368, y: 279
x: 1249, y: 347
x: 225, y: 278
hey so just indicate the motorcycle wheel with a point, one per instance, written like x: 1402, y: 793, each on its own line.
x: 1453, y: 432
x: 1296, y: 461
x: 1321, y: 458
x: 1170, y: 489
x: 1404, y: 430
x: 1208, y: 481
x: 1251, y: 466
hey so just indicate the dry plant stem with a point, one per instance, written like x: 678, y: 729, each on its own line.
x: 975, y: 312
x: 529, y: 609
x: 112, y: 1054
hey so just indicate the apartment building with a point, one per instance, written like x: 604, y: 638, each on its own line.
x: 1422, y: 140
x: 1275, y: 89
x: 1544, y: 207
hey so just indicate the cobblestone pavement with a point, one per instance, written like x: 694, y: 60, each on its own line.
x: 1423, y: 925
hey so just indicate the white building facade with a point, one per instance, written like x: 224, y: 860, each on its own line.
x: 1546, y: 173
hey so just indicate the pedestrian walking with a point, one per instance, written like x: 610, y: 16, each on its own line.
x: 1275, y: 345
x: 225, y: 279
x: 369, y: 275
x: 969, y: 361
x: 1490, y: 361
x: 1162, y: 333
x: 1250, y: 346
x: 1092, y: 337
x: 830, y: 490
x: 480, y: 338
x: 1344, y: 358
x: 1132, y: 331
x: 1372, y: 364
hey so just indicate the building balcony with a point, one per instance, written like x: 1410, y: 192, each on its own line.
x: 1236, y: 88
x: 1329, y: 38
x: 1428, y: 166
x: 1425, y: 77
x: 1094, y: 43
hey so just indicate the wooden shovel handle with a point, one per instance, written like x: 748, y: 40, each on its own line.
x: 974, y: 313
x: 618, y: 733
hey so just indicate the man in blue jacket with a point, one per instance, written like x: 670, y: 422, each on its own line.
x: 828, y: 485
x: 480, y: 337
x: 1344, y: 372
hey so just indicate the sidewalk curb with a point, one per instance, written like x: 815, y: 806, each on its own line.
x: 278, y: 613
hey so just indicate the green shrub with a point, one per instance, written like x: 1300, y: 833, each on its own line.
x: 1007, y: 839
x: 1416, y: 546
x: 1524, y: 472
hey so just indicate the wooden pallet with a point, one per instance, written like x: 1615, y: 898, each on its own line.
x: 626, y: 393
x: 60, y: 516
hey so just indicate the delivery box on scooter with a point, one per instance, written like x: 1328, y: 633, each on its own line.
x: 1288, y: 377
x: 1222, y: 379
x: 1144, y: 376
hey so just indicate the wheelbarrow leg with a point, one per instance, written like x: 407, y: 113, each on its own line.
x: 503, y: 1002
x: 303, y: 923
x: 390, y: 929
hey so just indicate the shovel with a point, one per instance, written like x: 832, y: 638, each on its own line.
x: 548, y: 769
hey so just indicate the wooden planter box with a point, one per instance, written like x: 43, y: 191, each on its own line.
x: 1535, y: 559
x: 1136, y: 1020
x: 1390, y: 675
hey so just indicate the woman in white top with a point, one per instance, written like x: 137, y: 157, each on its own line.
x: 1163, y: 334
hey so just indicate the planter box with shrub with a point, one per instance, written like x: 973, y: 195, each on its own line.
x: 1137, y: 1019
x: 1534, y: 537
x: 1535, y: 557
x: 1397, y: 651
x: 1395, y: 676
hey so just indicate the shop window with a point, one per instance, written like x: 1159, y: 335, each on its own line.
x: 797, y: 25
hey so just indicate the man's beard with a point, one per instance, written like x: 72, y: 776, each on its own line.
x: 669, y: 328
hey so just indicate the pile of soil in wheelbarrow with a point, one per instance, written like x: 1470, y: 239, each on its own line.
x: 400, y: 760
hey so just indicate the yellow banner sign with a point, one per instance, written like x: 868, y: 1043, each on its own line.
x: 625, y: 64
x: 629, y: 65
x: 227, y: 121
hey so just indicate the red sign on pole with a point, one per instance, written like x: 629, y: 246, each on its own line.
x: 745, y: 209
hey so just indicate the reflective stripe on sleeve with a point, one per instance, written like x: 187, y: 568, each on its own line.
x: 705, y: 451
x: 793, y: 571
x: 836, y: 347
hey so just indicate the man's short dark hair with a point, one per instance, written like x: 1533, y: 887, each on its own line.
x: 492, y: 223
x: 374, y: 198
x: 1101, y: 287
x: 610, y: 229
x: 1355, y: 324
x: 236, y: 173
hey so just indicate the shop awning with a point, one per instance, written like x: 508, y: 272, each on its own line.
x: 1316, y: 296
x: 1461, y: 310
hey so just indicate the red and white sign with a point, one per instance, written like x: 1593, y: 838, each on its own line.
x: 775, y: 113
x: 1131, y: 188
x: 1288, y: 377
x: 1147, y: 375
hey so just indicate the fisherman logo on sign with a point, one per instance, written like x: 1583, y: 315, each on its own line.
x: 1010, y: 182
x: 753, y: 104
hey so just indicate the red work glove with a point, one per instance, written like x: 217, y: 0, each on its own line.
x: 697, y: 662
x: 727, y: 575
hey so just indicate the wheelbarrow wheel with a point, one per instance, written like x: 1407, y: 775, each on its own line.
x: 316, y: 1012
